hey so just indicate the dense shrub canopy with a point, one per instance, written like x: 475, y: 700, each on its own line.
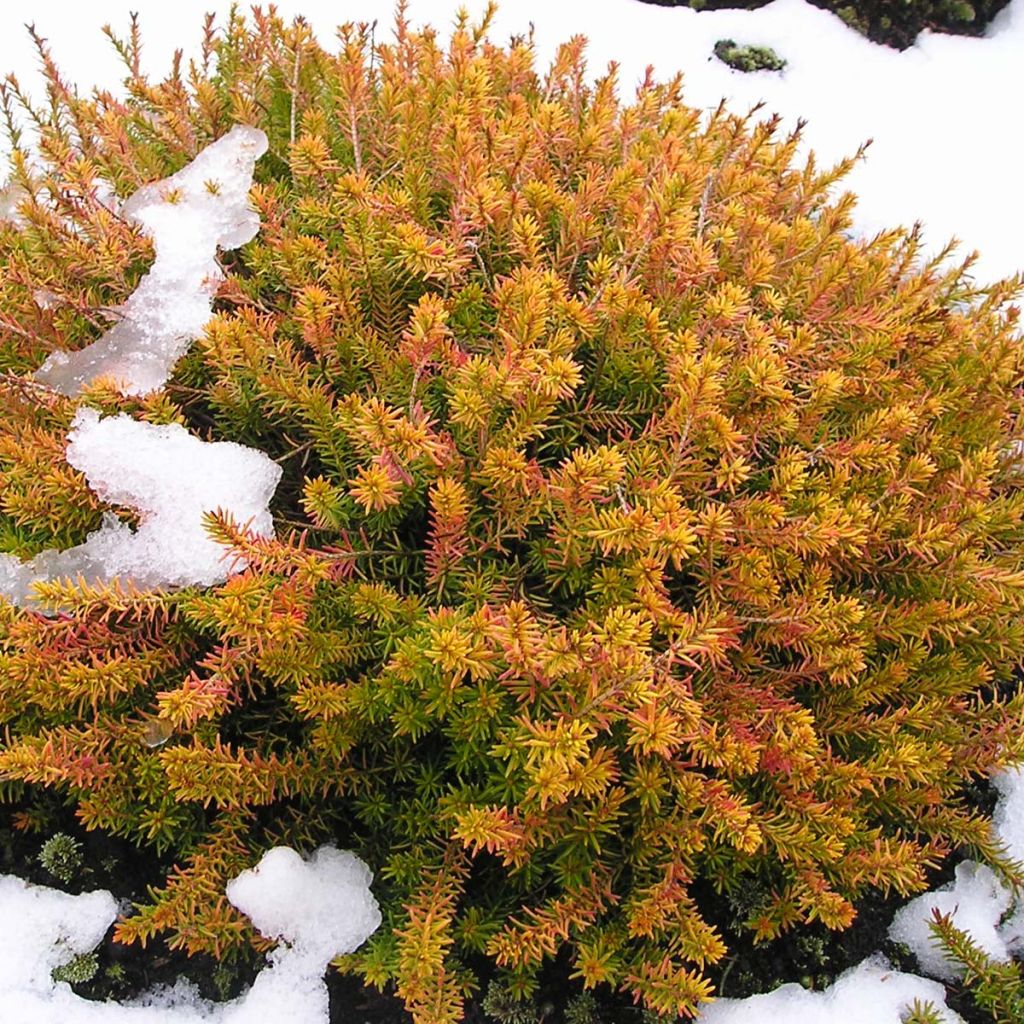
x: 640, y: 530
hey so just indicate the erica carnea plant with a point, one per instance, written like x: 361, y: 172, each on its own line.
x: 641, y: 533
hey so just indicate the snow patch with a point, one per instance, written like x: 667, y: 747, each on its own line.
x: 269, y: 893
x: 11, y: 195
x: 43, y: 929
x: 321, y: 907
x: 870, y: 993
x: 205, y: 206
x: 172, y: 480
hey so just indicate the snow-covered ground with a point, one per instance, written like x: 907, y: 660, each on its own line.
x: 947, y: 153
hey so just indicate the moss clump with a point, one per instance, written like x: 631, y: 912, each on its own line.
x: 61, y: 856
x: 78, y: 971
x: 505, y: 1007
x: 645, y: 544
x: 748, y: 58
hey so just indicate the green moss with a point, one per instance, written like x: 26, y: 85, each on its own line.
x: 78, y: 971
x: 505, y: 1007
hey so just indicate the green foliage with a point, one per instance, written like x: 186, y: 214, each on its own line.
x: 748, y: 58
x: 640, y: 532
x: 996, y: 988
x: 61, y: 855
x: 582, y: 1008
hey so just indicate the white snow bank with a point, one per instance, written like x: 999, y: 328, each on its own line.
x: 320, y: 908
x: 976, y: 901
x: 942, y: 114
x: 205, y: 206
x: 171, y: 479
x: 870, y: 993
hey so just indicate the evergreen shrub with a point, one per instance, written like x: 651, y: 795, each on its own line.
x: 642, y: 535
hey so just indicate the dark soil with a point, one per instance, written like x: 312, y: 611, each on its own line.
x: 892, y: 22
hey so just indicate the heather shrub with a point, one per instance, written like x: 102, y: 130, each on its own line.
x: 642, y: 534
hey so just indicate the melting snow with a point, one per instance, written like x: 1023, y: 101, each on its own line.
x: 318, y: 908
x: 171, y: 479
x: 189, y: 216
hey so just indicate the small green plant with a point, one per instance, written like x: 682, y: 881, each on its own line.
x: 504, y: 1006
x: 61, y: 856
x: 116, y: 975
x: 81, y: 969
x: 226, y: 979
x: 997, y: 988
x: 582, y: 1009
x: 748, y: 58
x: 923, y: 1013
